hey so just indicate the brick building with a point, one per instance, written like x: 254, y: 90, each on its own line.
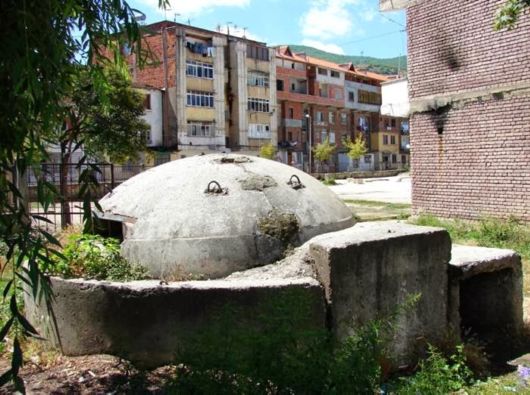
x: 212, y: 91
x: 328, y: 101
x: 470, y: 109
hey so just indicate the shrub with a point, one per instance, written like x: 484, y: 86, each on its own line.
x: 267, y: 151
x: 95, y: 257
x: 438, y: 374
x: 329, y: 181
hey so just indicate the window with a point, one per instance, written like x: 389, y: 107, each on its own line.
x: 199, y: 99
x: 258, y: 52
x: 332, y: 137
x: 256, y: 78
x: 259, y: 131
x: 200, y: 129
x: 279, y: 85
x: 259, y: 105
x: 368, y: 159
x: 393, y: 122
x: 351, y: 96
x: 338, y: 95
x: 392, y: 140
x: 147, y: 102
x: 369, y: 97
x: 343, y: 118
x: 199, y: 69
x: 322, y: 71
x: 331, y: 117
x: 319, y: 117
x: 404, y: 127
x: 291, y: 113
x: 386, y: 123
x: 335, y: 74
x: 385, y: 139
x: 404, y: 159
x: 293, y: 87
x: 394, y: 158
x: 292, y: 66
x: 323, y: 135
x: 363, y: 124
x: 290, y: 136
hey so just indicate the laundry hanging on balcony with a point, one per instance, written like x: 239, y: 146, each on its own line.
x: 200, y: 48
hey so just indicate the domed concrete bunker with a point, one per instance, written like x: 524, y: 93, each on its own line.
x: 208, y: 216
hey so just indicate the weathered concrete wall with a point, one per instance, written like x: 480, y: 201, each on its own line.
x: 469, y: 90
x: 486, y: 291
x: 371, y: 268
x: 148, y: 323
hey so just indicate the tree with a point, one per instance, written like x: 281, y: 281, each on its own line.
x: 267, y: 151
x: 323, y: 151
x: 105, y: 130
x: 508, y: 15
x: 357, y: 148
x: 43, y: 43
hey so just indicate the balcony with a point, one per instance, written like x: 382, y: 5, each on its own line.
x: 292, y: 123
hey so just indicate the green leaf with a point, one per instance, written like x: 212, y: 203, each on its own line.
x: 6, y: 377
x: 5, y: 329
x: 16, y: 357
x: 7, y: 287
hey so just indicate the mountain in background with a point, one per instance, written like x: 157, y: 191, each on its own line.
x: 381, y: 66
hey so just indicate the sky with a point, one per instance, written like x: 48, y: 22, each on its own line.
x: 351, y: 27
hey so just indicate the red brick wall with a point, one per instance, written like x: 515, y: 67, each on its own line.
x: 479, y: 166
x: 480, y: 163
x: 452, y: 46
x: 152, y: 73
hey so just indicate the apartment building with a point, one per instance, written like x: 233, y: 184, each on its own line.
x: 205, y: 91
x: 319, y: 100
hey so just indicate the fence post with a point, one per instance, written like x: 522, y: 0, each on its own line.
x: 112, y: 175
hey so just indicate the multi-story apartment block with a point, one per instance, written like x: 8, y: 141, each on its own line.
x: 205, y: 90
x: 321, y: 100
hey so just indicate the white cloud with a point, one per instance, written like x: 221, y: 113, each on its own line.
x: 368, y: 14
x: 193, y: 7
x: 333, y: 48
x: 326, y: 19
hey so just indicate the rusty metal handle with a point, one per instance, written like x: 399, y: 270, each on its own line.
x: 215, y: 187
x: 296, y: 183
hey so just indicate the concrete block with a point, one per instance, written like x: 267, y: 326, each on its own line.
x: 148, y: 323
x: 370, y: 269
x: 486, y: 290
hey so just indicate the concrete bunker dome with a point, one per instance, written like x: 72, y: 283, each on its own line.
x: 212, y: 215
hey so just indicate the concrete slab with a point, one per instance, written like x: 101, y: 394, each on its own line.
x: 372, y: 268
x: 486, y: 291
x: 148, y: 322
x: 390, y: 190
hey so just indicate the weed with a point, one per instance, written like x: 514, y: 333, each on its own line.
x: 94, y: 257
x: 438, y: 374
x: 329, y: 181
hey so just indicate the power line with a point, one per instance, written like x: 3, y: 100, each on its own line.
x: 373, y: 37
x: 390, y: 19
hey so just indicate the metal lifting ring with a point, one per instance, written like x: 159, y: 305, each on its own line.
x: 215, y: 187
x: 296, y: 183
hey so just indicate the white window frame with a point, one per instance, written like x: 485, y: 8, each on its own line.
x: 199, y: 99
x: 257, y: 78
x: 259, y: 131
x: 199, y: 69
x: 256, y: 104
x: 200, y: 129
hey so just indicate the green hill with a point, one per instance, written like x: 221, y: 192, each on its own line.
x: 382, y: 66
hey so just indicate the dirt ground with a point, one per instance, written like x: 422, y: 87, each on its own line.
x: 95, y: 374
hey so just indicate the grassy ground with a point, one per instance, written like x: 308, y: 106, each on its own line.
x: 368, y: 210
x: 488, y: 233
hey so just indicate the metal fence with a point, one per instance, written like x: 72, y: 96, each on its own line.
x: 109, y: 176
